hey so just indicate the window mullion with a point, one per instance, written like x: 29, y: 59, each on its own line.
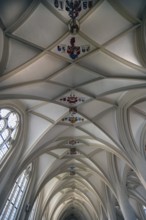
x: 15, y: 197
x: 9, y: 201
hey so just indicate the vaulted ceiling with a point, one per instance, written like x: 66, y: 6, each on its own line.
x: 108, y: 83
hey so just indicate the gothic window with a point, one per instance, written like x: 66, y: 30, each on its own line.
x: 9, y: 125
x: 16, y: 196
x: 144, y: 208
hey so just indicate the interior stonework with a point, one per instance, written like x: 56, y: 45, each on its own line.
x: 79, y: 89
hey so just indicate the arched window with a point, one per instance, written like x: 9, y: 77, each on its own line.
x: 16, y: 196
x: 9, y: 125
x: 144, y: 208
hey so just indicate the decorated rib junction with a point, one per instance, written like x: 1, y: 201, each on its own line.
x: 73, y: 110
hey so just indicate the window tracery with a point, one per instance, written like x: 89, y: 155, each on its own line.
x: 144, y: 208
x: 9, y: 126
x: 16, y: 196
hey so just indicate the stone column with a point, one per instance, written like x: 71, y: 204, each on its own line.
x: 110, y: 207
x: 126, y: 208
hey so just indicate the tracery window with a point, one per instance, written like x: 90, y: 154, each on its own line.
x: 16, y: 196
x: 144, y: 207
x: 9, y: 126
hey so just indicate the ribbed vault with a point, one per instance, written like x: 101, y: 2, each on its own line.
x: 80, y: 168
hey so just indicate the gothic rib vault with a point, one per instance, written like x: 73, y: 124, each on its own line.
x: 103, y: 177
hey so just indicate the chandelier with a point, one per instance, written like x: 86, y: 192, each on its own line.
x: 72, y: 171
x: 73, y: 151
x: 73, y: 118
x: 73, y: 8
x: 72, y: 50
x: 72, y: 99
x: 73, y: 142
x: 72, y: 148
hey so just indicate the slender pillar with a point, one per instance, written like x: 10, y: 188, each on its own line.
x: 125, y: 206
x: 110, y: 208
x: 140, y: 164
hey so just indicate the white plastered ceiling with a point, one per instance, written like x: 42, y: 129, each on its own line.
x: 111, y: 78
